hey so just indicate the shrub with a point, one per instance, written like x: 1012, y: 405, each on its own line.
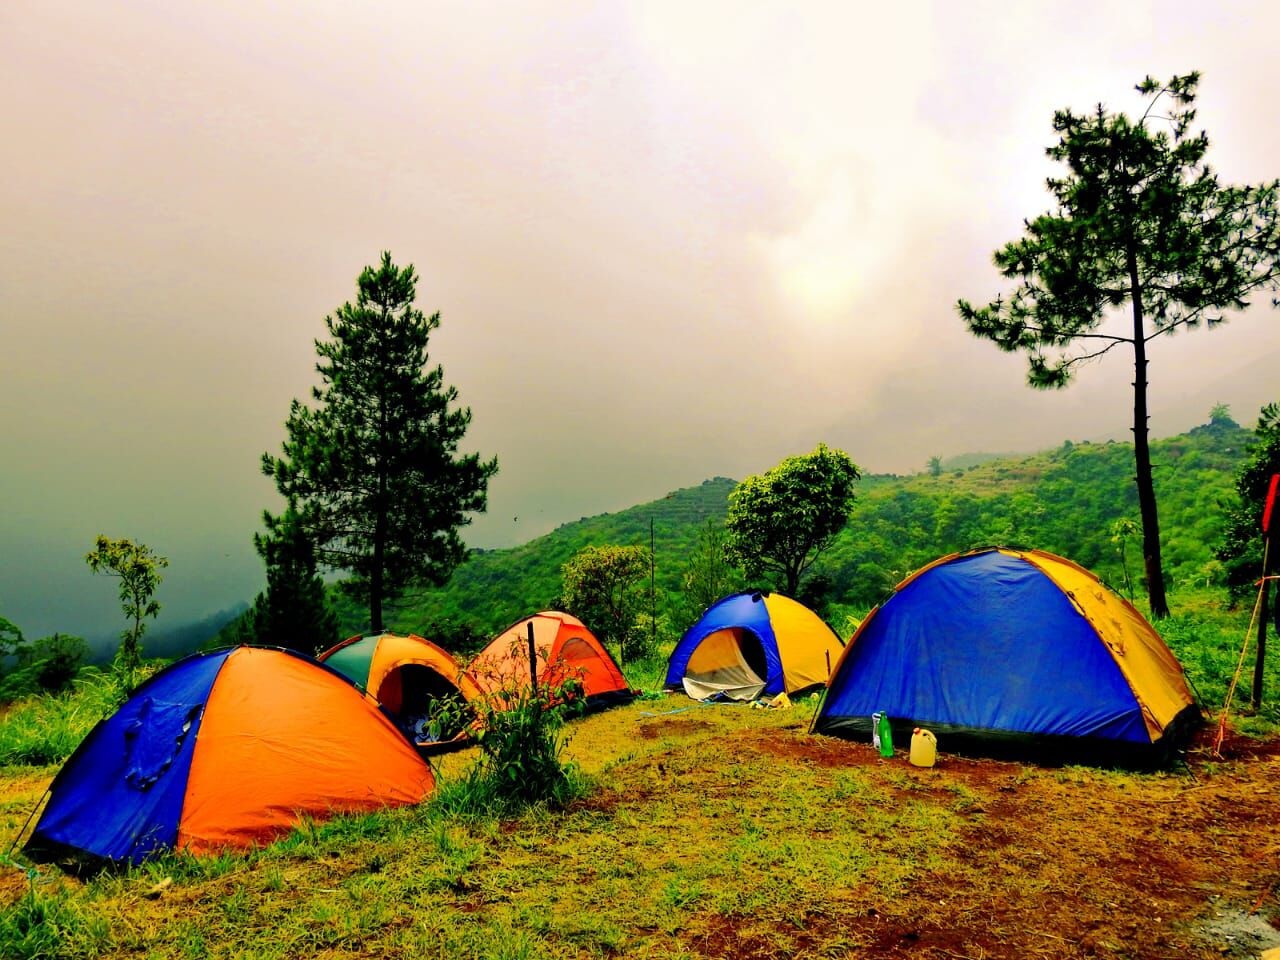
x: 521, y: 752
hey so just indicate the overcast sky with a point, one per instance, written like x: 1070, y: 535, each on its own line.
x: 668, y: 241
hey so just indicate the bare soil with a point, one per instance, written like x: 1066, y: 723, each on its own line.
x: 1007, y: 860
x: 1079, y: 864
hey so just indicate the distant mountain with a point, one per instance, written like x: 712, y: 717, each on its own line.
x: 1063, y: 500
x: 496, y: 587
x: 166, y: 641
x: 965, y: 460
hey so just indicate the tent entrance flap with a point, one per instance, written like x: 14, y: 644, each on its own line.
x: 729, y: 662
x: 430, y: 706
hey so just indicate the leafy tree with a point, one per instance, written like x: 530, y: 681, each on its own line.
x: 709, y: 574
x: 294, y: 611
x: 138, y: 569
x: 13, y: 650
x: 935, y: 466
x: 1243, y: 552
x: 373, y: 472
x: 46, y: 666
x: 782, y: 520
x: 1220, y: 415
x: 1120, y: 532
x: 602, y: 588
x: 11, y: 641
x: 1141, y: 219
x: 1241, y: 548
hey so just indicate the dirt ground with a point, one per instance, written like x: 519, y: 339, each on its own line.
x: 1075, y: 862
x: 1028, y: 862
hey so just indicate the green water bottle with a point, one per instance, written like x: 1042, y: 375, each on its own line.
x: 884, y: 735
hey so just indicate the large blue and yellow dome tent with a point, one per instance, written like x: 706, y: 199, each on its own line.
x: 1012, y: 652
x: 753, y: 644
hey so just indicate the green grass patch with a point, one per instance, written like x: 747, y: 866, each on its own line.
x: 47, y: 729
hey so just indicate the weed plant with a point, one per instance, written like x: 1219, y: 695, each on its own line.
x: 521, y: 761
x: 47, y: 729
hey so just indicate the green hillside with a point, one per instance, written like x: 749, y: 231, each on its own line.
x: 1064, y: 500
x: 496, y: 587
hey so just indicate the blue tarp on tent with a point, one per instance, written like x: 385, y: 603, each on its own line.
x: 132, y: 769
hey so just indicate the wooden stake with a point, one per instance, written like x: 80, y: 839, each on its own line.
x: 533, y: 660
x: 1263, y: 616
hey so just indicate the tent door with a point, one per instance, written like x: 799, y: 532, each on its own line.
x: 729, y: 662
x: 425, y: 696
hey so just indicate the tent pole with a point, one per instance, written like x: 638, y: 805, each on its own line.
x: 533, y: 661
x: 653, y: 603
x: 1262, y: 624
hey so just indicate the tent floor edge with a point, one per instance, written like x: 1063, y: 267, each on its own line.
x: 75, y: 861
x: 1042, y: 749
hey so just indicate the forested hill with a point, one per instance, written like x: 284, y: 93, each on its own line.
x: 1065, y: 500
x: 494, y: 588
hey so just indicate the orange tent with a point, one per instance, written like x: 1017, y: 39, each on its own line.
x: 226, y: 749
x: 564, y: 650
x: 417, y: 681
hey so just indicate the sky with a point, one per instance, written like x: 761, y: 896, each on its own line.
x: 668, y: 241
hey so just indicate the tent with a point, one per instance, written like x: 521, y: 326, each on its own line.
x: 225, y: 749
x: 422, y: 687
x: 751, y: 644
x: 564, y: 650
x: 1016, y: 653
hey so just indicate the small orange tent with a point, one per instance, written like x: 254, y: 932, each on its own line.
x: 420, y: 684
x: 564, y: 649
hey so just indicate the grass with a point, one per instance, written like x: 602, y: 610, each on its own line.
x: 712, y: 831
x: 46, y: 729
x: 1207, y: 637
x: 718, y: 831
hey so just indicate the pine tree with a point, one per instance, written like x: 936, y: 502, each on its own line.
x: 293, y: 611
x: 1143, y: 221
x: 372, y: 470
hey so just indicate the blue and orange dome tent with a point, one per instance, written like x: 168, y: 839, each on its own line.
x: 225, y: 749
x: 1014, y: 653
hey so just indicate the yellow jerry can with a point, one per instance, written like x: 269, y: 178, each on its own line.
x: 924, y: 747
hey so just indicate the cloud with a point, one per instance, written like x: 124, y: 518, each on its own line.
x: 668, y: 241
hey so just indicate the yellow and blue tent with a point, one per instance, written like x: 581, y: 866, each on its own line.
x: 1013, y: 652
x: 753, y: 644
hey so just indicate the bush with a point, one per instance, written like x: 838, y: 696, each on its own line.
x: 521, y: 753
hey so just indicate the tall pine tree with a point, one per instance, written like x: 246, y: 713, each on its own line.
x: 372, y: 471
x: 1141, y: 220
